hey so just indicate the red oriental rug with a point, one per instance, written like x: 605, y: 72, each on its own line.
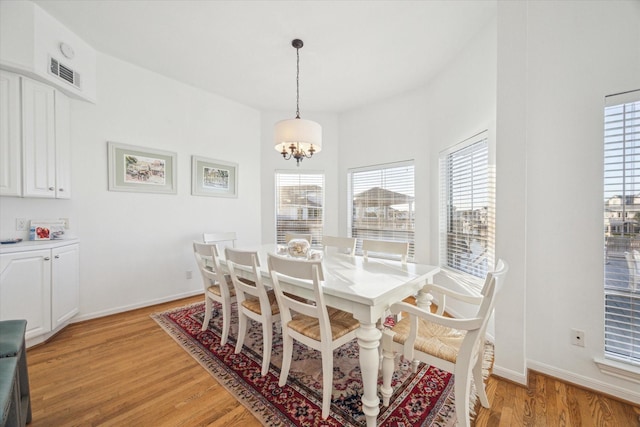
x: 421, y: 399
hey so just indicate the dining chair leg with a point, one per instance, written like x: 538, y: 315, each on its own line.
x: 226, y: 323
x: 479, y: 382
x: 208, y: 308
x: 388, y: 366
x: 461, y: 387
x: 327, y: 383
x: 242, y: 331
x: 287, y: 355
x: 267, y: 344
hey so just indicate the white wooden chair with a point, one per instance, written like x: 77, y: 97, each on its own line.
x: 313, y: 324
x: 342, y: 244
x: 254, y: 300
x: 385, y: 247
x: 633, y: 262
x: 290, y: 236
x: 454, y: 345
x: 225, y: 238
x: 217, y: 286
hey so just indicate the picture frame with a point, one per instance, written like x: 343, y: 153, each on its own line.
x: 210, y: 177
x: 141, y: 169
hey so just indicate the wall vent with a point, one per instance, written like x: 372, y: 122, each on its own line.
x: 63, y: 72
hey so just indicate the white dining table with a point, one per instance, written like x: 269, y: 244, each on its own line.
x: 365, y: 288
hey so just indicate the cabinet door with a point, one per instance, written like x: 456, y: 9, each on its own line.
x: 65, y: 284
x: 25, y: 286
x: 63, y: 147
x: 38, y: 133
x: 10, y: 161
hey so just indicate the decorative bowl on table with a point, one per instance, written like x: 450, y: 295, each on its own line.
x: 298, y: 248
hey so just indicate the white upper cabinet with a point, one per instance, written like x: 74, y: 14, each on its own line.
x: 35, y: 141
x: 10, y: 160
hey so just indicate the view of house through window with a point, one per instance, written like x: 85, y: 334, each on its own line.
x: 382, y: 204
x: 622, y: 227
x: 299, y: 205
x: 467, y: 207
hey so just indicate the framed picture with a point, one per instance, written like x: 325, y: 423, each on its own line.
x: 141, y: 169
x: 213, y: 177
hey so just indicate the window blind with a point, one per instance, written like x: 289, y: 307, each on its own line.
x: 299, y: 205
x: 467, y: 208
x: 382, y: 204
x: 622, y: 227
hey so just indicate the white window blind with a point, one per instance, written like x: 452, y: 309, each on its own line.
x: 467, y: 208
x: 622, y: 227
x: 299, y: 205
x: 382, y: 204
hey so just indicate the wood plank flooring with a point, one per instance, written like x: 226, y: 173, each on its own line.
x: 124, y: 370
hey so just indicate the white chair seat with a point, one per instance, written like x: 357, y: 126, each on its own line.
x: 437, y: 340
x: 341, y: 324
x: 215, y: 289
x: 253, y: 304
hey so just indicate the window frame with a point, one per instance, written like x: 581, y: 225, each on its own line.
x: 391, y: 235
x: 621, y: 231
x: 473, y: 282
x: 316, y: 235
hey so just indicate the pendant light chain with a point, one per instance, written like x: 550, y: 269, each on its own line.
x: 297, y: 82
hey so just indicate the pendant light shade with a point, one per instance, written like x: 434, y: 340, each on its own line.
x: 297, y: 138
x: 298, y: 131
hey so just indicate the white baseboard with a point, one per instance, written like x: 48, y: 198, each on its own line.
x: 590, y: 383
x: 508, y: 374
x: 122, y: 309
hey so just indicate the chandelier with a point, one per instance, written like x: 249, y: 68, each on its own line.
x: 297, y: 138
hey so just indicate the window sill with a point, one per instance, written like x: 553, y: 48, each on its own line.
x: 619, y: 369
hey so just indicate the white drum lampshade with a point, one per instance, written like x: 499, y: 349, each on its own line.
x: 301, y: 132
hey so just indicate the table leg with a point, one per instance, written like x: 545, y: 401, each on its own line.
x: 369, y: 341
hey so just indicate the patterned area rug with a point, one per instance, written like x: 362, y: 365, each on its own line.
x: 421, y: 399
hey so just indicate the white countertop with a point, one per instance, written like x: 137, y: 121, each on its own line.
x: 32, y: 245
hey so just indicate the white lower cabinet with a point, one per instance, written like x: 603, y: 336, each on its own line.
x: 41, y: 285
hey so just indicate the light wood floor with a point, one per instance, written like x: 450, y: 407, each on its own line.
x: 124, y: 370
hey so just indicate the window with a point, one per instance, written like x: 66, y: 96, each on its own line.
x: 467, y: 208
x: 299, y: 205
x: 382, y: 204
x: 622, y: 227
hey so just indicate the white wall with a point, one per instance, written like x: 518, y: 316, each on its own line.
x: 577, y: 53
x: 322, y: 162
x: 457, y: 104
x: 135, y: 247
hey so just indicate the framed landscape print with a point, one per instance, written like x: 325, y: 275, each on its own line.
x: 213, y: 177
x: 141, y: 169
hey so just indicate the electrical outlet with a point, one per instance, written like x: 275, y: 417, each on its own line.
x: 188, y: 274
x: 22, y: 224
x: 577, y: 337
x: 66, y: 223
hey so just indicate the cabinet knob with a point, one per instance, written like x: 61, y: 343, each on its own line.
x: 57, y: 256
x: 60, y: 189
x: 47, y: 258
x: 51, y: 188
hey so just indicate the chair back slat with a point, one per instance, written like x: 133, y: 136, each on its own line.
x: 246, y: 264
x: 342, y: 244
x: 385, y: 247
x: 290, y: 236
x: 225, y: 238
x: 301, y: 270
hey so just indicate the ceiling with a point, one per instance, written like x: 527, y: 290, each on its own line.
x: 355, y: 52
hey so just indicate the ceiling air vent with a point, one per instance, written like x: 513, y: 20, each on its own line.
x: 63, y: 72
